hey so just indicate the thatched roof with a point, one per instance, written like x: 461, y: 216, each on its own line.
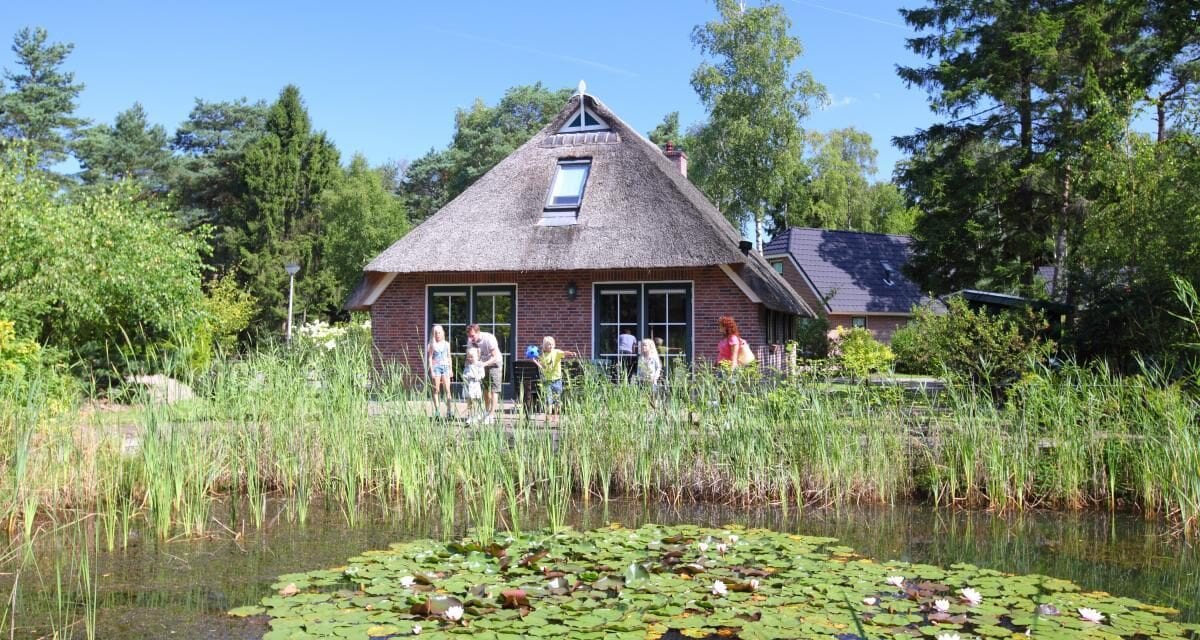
x: 637, y: 211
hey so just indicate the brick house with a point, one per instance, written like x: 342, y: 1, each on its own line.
x: 855, y: 279
x: 585, y: 231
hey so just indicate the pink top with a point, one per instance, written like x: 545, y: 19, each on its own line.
x: 725, y: 348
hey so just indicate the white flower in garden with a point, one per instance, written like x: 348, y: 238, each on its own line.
x: 896, y: 581
x: 722, y: 548
x: 703, y: 546
x: 1091, y: 615
x: 454, y: 614
x: 719, y: 589
x: 733, y: 539
x: 972, y: 596
x: 942, y: 606
x: 870, y: 601
x: 329, y: 345
x: 416, y: 629
x: 407, y: 582
x: 947, y: 636
x: 366, y: 323
x: 754, y: 584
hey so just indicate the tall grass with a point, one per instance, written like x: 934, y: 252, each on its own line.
x: 316, y: 427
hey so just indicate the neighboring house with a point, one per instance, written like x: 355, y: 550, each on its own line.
x: 586, y: 230
x: 856, y: 279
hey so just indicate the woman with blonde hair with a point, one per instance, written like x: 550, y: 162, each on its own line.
x: 649, y: 367
x: 437, y: 355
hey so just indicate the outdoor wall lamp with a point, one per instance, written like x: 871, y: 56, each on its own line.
x: 572, y: 290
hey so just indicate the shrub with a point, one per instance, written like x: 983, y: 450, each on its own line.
x: 987, y: 348
x: 858, y: 353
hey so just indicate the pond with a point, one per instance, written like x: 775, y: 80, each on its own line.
x: 183, y: 588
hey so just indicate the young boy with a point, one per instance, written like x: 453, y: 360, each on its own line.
x: 550, y: 362
x: 473, y: 384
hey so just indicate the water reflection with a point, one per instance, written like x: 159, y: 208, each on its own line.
x: 154, y: 588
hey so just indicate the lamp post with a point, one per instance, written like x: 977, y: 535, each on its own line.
x: 292, y: 269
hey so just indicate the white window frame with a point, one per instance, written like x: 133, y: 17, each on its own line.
x: 558, y: 168
x: 584, y: 111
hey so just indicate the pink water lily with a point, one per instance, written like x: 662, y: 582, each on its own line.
x: 1091, y: 615
x: 722, y: 548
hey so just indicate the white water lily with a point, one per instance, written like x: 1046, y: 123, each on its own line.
x: 719, y: 588
x: 733, y: 539
x: 416, y: 629
x: 896, y: 581
x: 1091, y: 615
x: 870, y: 601
x: 454, y: 614
x: 407, y: 582
x: 351, y: 571
x: 754, y: 584
x: 942, y: 606
x: 703, y: 546
x: 947, y: 636
x: 722, y: 548
x: 972, y: 596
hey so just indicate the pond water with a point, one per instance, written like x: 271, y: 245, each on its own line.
x: 182, y: 588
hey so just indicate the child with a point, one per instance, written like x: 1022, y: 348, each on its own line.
x: 649, y: 367
x: 550, y: 362
x: 473, y: 388
x: 438, y: 354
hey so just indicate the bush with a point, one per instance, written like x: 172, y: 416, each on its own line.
x: 29, y: 370
x: 858, y: 353
x: 992, y: 349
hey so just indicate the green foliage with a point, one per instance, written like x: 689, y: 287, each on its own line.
x: 483, y: 136
x: 1028, y: 93
x: 812, y: 339
x: 228, y: 311
x: 205, y: 184
x: 667, y: 131
x: 131, y: 148
x: 39, y: 105
x: 748, y: 156
x: 29, y: 370
x: 991, y: 349
x: 361, y: 217
x: 277, y: 220
x: 103, y: 275
x: 858, y: 353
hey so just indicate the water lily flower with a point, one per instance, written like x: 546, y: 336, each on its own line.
x: 870, y: 601
x: 1091, y: 615
x: 719, y: 588
x: 351, y: 571
x: 407, y: 582
x: 896, y: 581
x: 947, y: 636
x: 754, y: 584
x: 416, y: 629
x: 454, y: 614
x: 972, y: 596
x: 703, y: 546
x: 722, y: 548
x: 733, y: 539
x: 942, y: 606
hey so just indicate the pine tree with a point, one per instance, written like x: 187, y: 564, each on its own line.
x: 40, y: 101
x: 131, y: 148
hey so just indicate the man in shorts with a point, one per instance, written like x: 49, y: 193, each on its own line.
x: 493, y: 368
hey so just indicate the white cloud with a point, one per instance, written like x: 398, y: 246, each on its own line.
x: 837, y: 102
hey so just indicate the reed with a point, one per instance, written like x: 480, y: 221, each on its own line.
x: 304, y: 425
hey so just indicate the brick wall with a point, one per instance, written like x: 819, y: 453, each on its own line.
x: 799, y: 283
x: 398, y: 315
x: 882, y: 326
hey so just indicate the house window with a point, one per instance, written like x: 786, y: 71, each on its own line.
x: 566, y: 193
x: 493, y: 307
x: 778, y: 266
x: 584, y: 120
x: 661, y: 311
x: 858, y: 322
x: 889, y: 274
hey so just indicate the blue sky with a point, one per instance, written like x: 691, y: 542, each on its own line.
x: 384, y: 79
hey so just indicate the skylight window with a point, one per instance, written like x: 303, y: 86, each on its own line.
x: 889, y: 274
x: 569, y: 181
x: 584, y: 120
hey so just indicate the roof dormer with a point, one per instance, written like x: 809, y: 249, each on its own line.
x: 584, y: 120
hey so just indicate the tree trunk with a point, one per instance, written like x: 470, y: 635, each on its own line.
x: 1058, y: 285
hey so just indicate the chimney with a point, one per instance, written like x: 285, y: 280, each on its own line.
x: 745, y: 246
x: 677, y: 157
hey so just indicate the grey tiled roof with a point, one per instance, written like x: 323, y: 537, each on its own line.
x: 852, y: 269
